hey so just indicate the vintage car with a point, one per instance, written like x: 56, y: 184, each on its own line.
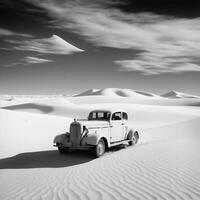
x: 103, y: 129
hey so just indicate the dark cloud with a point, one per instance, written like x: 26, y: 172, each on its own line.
x: 22, y: 16
x: 5, y: 32
x: 177, y: 8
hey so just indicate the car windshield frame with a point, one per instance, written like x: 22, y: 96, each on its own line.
x: 99, y: 116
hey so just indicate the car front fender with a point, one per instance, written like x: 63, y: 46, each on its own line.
x: 61, y: 138
x: 92, y: 139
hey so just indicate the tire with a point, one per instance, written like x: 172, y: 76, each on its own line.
x: 137, y: 137
x: 100, y: 148
x: 134, y: 139
x: 62, y: 150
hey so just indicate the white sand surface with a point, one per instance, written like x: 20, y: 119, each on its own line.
x: 166, y: 169
x: 26, y: 132
x: 165, y: 164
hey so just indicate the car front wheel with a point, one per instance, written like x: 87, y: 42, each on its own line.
x: 100, y: 148
x: 62, y: 150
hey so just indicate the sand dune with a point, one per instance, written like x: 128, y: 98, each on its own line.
x: 146, y: 100
x: 133, y: 93
x: 143, y: 116
x: 175, y: 95
x: 163, y: 165
x: 117, y: 92
x: 9, y: 100
x: 76, y: 107
x: 36, y: 128
x: 107, y: 95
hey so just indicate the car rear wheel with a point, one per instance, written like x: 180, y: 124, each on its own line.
x: 100, y: 148
x: 134, y: 139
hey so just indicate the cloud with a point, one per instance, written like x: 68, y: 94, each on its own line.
x: 167, y: 44
x: 29, y: 60
x: 147, y: 68
x: 35, y: 60
x: 5, y: 32
x: 52, y: 45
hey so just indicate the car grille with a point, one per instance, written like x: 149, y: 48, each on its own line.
x: 75, y: 134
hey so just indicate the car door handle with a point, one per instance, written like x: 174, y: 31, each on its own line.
x: 111, y: 126
x: 122, y: 123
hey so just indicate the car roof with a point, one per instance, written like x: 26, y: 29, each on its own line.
x: 112, y: 110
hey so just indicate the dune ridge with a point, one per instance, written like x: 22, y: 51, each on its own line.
x: 178, y: 95
x: 116, y: 92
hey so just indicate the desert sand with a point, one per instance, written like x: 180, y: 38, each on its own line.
x: 165, y: 164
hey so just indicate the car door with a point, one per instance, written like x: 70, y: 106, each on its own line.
x: 116, y: 128
x: 125, y: 124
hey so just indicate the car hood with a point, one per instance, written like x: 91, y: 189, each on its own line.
x: 95, y: 124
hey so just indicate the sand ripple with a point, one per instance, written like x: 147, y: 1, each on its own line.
x: 158, y: 170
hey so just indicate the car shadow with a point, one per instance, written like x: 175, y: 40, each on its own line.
x: 46, y: 159
x: 51, y: 159
x: 118, y: 148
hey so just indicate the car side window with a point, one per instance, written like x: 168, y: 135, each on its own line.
x: 117, y: 116
x: 124, y: 116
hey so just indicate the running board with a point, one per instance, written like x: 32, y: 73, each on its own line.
x: 119, y: 142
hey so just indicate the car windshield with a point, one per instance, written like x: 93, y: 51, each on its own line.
x: 99, y: 115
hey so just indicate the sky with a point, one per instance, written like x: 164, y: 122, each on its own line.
x: 68, y: 46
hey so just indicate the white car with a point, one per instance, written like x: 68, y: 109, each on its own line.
x: 102, y: 130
